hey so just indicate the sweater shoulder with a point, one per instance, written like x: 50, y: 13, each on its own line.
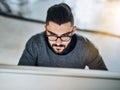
x: 86, y: 42
x: 82, y: 39
x: 37, y: 38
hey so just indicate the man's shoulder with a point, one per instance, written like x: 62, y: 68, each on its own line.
x: 85, y: 41
x: 37, y: 38
x: 82, y: 38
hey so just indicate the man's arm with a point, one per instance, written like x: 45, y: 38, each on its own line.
x: 29, y: 54
x: 97, y: 63
x: 94, y: 59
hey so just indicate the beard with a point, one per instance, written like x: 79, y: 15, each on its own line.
x: 61, y: 45
x: 58, y: 48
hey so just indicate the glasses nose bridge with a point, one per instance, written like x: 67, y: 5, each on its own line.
x: 58, y: 37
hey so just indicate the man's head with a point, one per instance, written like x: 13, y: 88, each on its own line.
x: 59, y: 26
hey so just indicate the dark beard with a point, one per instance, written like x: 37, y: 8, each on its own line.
x: 61, y: 45
x: 55, y: 45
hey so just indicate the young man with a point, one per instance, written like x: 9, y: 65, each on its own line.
x: 59, y: 46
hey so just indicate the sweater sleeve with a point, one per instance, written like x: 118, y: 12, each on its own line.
x: 97, y: 63
x: 94, y: 60
x: 29, y: 54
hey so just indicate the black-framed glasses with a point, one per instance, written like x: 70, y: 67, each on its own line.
x: 62, y: 38
x: 65, y: 37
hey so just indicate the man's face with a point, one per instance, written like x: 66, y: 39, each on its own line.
x: 59, y: 36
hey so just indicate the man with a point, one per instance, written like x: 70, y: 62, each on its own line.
x: 59, y: 46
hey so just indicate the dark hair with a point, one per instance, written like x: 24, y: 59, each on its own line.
x: 60, y: 14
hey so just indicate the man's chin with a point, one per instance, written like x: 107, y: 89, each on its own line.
x: 58, y: 48
x: 58, y: 51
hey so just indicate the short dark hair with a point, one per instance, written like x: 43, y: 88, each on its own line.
x: 60, y: 14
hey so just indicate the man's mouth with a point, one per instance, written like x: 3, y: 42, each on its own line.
x: 58, y: 48
x: 55, y: 45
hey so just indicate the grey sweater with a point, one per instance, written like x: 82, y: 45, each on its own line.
x: 38, y: 53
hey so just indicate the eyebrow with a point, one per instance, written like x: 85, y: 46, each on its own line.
x: 51, y: 32
x: 56, y: 34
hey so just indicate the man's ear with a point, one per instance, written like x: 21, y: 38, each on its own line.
x: 74, y: 29
x: 45, y: 27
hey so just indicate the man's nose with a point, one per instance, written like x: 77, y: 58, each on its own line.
x: 58, y: 41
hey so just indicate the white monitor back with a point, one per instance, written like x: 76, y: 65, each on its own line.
x: 44, y: 78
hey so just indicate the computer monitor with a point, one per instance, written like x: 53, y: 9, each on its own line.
x: 46, y: 78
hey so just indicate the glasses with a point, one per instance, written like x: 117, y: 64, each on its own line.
x: 65, y: 37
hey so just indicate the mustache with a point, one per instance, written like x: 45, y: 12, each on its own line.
x: 61, y: 45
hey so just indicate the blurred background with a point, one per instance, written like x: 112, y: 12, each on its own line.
x: 97, y: 20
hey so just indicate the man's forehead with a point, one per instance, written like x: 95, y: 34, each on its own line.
x: 55, y: 26
x: 59, y: 29
x: 56, y: 34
